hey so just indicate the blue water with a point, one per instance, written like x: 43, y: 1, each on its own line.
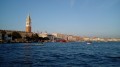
x: 73, y: 54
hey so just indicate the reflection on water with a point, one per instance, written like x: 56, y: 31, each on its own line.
x: 74, y: 54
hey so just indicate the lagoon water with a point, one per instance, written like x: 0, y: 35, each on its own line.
x: 72, y: 54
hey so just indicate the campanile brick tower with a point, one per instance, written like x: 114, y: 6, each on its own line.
x: 28, y: 24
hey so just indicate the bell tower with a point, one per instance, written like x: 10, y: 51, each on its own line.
x: 28, y: 24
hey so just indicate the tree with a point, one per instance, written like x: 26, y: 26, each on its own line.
x: 3, y: 34
x: 40, y: 38
x: 46, y: 38
x: 35, y: 37
x: 9, y: 35
x: 16, y: 35
x: 28, y: 38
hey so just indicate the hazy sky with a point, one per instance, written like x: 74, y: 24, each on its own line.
x: 76, y: 17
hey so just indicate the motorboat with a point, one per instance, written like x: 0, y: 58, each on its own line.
x: 89, y: 42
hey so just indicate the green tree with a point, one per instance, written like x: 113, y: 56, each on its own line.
x: 46, y: 38
x: 40, y: 38
x: 3, y: 34
x: 35, y: 37
x: 9, y: 35
x: 28, y: 38
x: 16, y: 35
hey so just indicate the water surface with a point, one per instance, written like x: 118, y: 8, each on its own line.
x: 73, y: 54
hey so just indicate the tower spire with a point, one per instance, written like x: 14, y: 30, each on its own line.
x: 28, y: 17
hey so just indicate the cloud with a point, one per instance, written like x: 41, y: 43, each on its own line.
x: 72, y: 2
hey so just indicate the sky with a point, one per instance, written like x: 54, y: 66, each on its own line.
x: 99, y: 18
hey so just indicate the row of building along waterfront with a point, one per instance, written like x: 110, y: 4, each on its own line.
x: 29, y: 36
x: 22, y: 36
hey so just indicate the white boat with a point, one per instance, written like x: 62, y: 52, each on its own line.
x: 89, y: 42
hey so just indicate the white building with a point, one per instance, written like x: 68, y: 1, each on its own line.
x: 43, y: 35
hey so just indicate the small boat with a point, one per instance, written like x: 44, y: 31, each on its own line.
x: 89, y: 42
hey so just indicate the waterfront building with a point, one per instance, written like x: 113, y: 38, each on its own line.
x: 70, y: 37
x: 43, y: 34
x: 7, y: 36
x: 86, y: 38
x: 74, y: 38
x: 51, y: 37
x: 59, y: 35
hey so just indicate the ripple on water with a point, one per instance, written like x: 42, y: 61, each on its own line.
x: 73, y: 54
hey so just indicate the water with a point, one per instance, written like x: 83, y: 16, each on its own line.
x: 74, y: 54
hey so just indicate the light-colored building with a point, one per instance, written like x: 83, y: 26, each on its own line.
x: 43, y: 35
x: 86, y: 38
x: 51, y: 37
x: 70, y: 38
x: 59, y: 35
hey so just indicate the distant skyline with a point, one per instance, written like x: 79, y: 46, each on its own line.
x: 100, y: 18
